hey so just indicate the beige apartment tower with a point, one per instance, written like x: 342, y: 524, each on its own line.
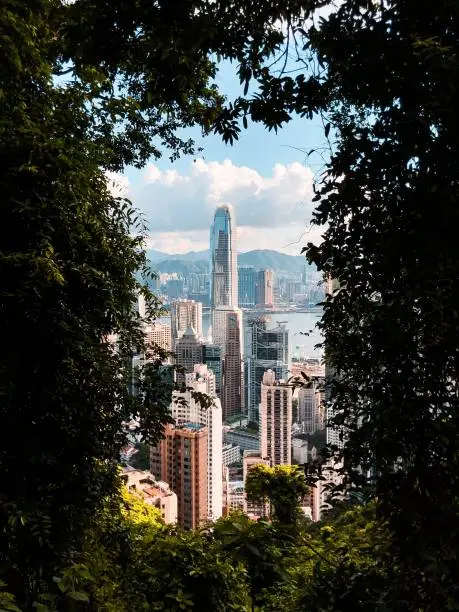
x: 160, y: 334
x: 276, y: 420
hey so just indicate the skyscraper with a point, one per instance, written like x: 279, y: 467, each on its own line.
x: 185, y: 313
x: 265, y: 349
x: 223, y: 254
x: 227, y: 334
x: 247, y: 286
x: 276, y: 420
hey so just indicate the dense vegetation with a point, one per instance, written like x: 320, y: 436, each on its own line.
x: 131, y: 561
x: 88, y: 87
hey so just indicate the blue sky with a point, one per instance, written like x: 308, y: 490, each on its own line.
x: 267, y: 177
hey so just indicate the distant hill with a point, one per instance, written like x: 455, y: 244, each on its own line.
x: 156, y: 256
x: 198, y: 261
x: 280, y: 262
x: 182, y: 266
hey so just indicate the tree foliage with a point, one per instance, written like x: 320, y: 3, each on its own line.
x: 283, y: 486
x: 383, y: 78
x: 87, y: 87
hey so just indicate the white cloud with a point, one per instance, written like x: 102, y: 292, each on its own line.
x: 183, y: 202
x: 118, y: 184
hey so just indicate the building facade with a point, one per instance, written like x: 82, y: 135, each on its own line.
x: 188, y: 352
x: 227, y: 334
x: 265, y: 288
x: 223, y: 254
x: 185, y: 408
x: 276, y: 420
x: 155, y: 493
x: 159, y: 334
x: 242, y: 438
x: 212, y: 357
x: 247, y: 286
x: 231, y: 454
x: 311, y: 407
x: 185, y: 314
x: 265, y: 349
x: 180, y: 459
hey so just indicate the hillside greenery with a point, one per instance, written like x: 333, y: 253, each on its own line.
x: 132, y: 561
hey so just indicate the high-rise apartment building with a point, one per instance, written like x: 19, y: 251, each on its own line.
x: 185, y: 408
x: 227, y: 334
x: 265, y: 349
x: 223, y: 254
x: 276, y: 420
x: 180, y: 459
x: 159, y: 334
x: 185, y: 314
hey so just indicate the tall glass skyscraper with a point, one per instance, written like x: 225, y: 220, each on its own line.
x: 265, y: 349
x: 223, y: 254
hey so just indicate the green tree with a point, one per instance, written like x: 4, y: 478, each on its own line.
x: 382, y: 76
x: 135, y: 562
x: 282, y: 486
x: 86, y: 87
x: 259, y: 548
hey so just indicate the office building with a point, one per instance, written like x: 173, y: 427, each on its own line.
x: 247, y: 287
x: 212, y: 357
x: 311, y: 407
x: 154, y: 492
x: 265, y: 288
x: 185, y: 314
x: 309, y: 367
x: 276, y: 420
x: 265, y: 349
x: 180, y: 459
x: 185, y: 408
x: 188, y: 352
x: 227, y: 334
x: 223, y: 254
x: 236, y: 496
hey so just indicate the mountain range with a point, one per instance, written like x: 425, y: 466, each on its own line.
x: 198, y: 261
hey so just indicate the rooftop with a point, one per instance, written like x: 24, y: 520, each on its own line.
x: 193, y: 426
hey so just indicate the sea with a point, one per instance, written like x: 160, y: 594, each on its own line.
x: 302, y: 326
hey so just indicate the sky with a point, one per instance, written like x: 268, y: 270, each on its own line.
x: 267, y: 177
